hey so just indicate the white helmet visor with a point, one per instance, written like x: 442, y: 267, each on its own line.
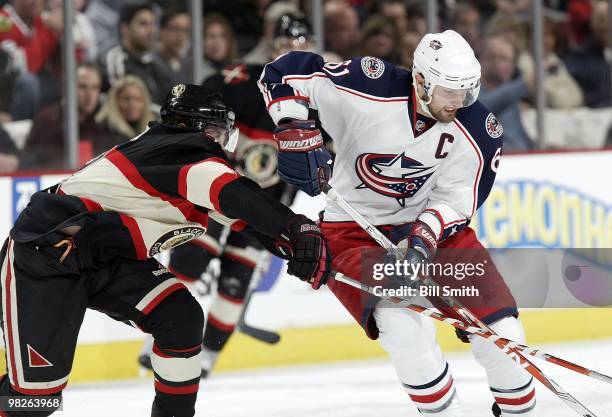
x: 455, y: 98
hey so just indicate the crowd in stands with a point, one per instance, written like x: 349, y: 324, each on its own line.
x: 130, y: 53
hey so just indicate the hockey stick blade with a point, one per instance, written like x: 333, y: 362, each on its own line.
x: 262, y: 335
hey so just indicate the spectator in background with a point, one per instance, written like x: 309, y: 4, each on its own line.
x: 219, y: 44
x: 502, y: 93
x: 509, y: 27
x: 589, y: 63
x: 82, y: 30
x: 262, y: 52
x: 407, y: 45
x: 341, y: 28
x: 44, y: 147
x: 104, y: 17
x: 466, y: 20
x: 9, y: 156
x: 379, y: 38
x: 560, y: 88
x: 579, y: 15
x: 417, y: 19
x: 8, y: 75
x: 126, y: 112
x: 174, y: 32
x: 395, y: 10
x: 137, y: 25
x: 30, y: 37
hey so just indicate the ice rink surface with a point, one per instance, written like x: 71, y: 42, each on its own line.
x: 348, y: 389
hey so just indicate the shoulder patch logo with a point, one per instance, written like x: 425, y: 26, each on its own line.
x: 493, y: 126
x: 372, y: 67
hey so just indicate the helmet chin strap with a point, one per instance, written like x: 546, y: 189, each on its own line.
x: 424, y: 105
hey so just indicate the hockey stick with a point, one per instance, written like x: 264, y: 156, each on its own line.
x: 536, y: 353
x: 266, y: 336
x: 513, y: 353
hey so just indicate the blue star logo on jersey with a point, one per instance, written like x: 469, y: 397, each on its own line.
x: 396, y: 176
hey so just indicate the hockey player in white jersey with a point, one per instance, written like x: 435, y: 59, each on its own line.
x: 417, y: 155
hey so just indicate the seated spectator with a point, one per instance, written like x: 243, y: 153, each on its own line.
x: 579, y: 15
x: 28, y: 35
x: 174, y: 31
x: 137, y: 25
x: 341, y: 28
x: 510, y: 27
x: 126, y: 112
x: 407, y: 45
x: 9, y: 156
x: 44, y: 147
x: 587, y: 62
x: 261, y: 54
x: 219, y: 44
x: 395, y: 10
x: 466, y: 20
x: 31, y: 38
x: 502, y: 93
x: 82, y: 30
x: 379, y: 38
x: 417, y: 19
x: 104, y: 17
x: 8, y: 74
x: 560, y: 88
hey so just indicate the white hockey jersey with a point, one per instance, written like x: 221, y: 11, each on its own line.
x: 391, y: 164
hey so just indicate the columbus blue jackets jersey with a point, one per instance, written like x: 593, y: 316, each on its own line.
x: 392, y: 164
x: 149, y: 194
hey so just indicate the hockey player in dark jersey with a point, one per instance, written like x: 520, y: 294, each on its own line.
x: 88, y: 242
x: 255, y: 157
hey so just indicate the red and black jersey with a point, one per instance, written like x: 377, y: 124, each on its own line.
x: 29, y: 46
x: 150, y: 194
x: 255, y: 155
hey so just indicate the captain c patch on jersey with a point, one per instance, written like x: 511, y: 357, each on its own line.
x: 396, y: 176
x: 494, y: 127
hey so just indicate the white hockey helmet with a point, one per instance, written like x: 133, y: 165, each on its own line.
x: 450, y: 69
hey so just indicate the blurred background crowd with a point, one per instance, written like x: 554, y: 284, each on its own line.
x: 130, y: 53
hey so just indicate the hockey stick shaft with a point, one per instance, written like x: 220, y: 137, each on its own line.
x: 477, y: 331
x: 513, y: 353
x: 266, y: 336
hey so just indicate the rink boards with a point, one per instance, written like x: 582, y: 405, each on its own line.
x: 552, y: 200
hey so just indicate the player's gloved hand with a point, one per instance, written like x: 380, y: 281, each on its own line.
x: 417, y: 238
x: 310, y: 257
x: 302, y: 158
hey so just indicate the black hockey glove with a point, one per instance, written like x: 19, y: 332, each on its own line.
x: 310, y: 257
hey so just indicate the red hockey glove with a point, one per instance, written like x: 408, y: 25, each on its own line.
x: 310, y: 257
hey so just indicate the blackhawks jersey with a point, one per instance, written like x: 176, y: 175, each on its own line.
x: 29, y: 46
x: 392, y: 164
x: 255, y: 154
x: 148, y: 195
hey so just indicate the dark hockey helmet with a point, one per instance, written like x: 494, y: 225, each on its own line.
x: 191, y: 105
x: 292, y: 33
